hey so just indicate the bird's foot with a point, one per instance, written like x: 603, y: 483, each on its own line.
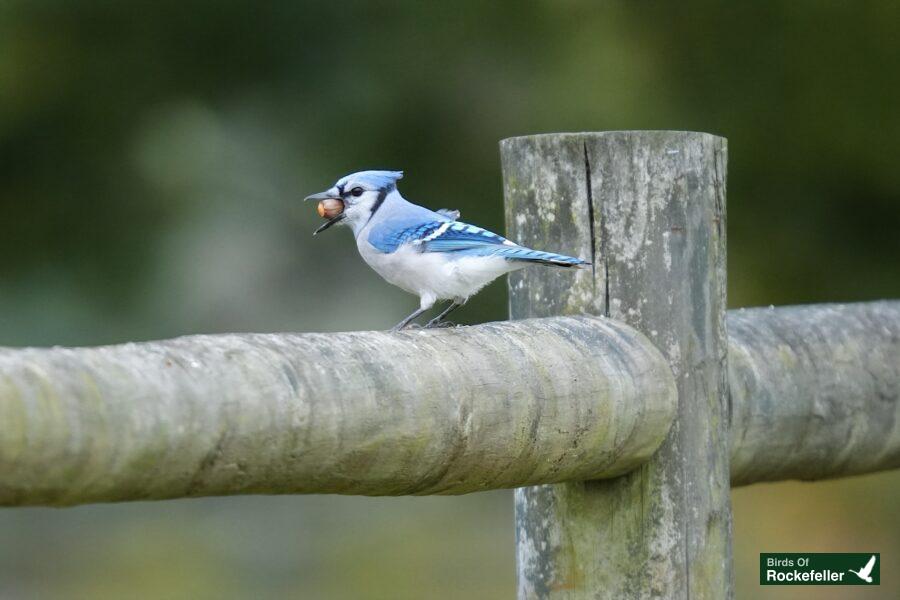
x: 435, y: 324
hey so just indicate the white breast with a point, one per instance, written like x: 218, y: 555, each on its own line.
x: 433, y: 274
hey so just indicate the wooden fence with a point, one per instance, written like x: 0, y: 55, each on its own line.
x: 622, y: 407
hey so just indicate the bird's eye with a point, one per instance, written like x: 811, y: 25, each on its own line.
x: 356, y: 192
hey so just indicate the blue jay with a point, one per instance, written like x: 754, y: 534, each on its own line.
x: 427, y: 253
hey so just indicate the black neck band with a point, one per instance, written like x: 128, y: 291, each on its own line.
x: 382, y: 195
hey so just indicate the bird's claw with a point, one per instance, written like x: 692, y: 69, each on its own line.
x: 440, y: 325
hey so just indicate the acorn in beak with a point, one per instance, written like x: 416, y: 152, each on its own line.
x: 330, y: 207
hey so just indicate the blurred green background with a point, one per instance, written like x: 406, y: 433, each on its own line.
x: 152, y: 158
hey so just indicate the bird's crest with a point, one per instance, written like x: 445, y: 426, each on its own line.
x: 375, y: 179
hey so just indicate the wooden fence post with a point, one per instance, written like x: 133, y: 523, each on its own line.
x: 648, y: 209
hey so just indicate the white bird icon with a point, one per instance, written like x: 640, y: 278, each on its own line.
x: 865, y: 571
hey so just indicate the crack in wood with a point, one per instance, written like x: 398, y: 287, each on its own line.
x: 590, y: 204
x: 592, y: 213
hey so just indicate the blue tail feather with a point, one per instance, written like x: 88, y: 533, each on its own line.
x: 538, y: 256
x: 522, y: 254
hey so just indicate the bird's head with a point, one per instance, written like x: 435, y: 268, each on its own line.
x: 355, y: 198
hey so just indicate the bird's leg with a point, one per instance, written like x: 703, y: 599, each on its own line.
x: 402, y: 324
x: 425, y: 303
x: 435, y: 322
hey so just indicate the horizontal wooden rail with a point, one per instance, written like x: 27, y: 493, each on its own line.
x: 815, y: 393
x: 422, y: 412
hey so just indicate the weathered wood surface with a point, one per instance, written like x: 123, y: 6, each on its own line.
x: 815, y: 394
x: 648, y: 209
x: 815, y: 391
x: 420, y: 412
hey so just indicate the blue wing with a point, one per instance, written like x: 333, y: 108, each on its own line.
x: 459, y: 240
x: 388, y: 236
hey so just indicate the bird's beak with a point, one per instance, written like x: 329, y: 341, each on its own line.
x: 331, y: 194
x: 329, y: 223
